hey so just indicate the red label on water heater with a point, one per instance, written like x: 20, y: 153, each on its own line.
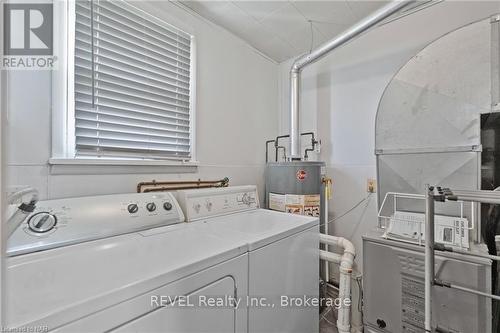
x: 301, y: 174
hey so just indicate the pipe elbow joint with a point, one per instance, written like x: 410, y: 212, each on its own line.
x: 348, y: 247
x: 295, y: 68
x: 347, y: 261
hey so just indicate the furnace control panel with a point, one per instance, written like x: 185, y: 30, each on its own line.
x: 206, y: 203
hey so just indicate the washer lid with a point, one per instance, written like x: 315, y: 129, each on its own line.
x: 58, y: 286
x: 257, y: 228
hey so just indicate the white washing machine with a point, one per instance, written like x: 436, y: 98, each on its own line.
x: 69, y: 272
x: 124, y: 263
x: 283, y: 255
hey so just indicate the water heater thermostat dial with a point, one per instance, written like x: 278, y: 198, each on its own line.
x: 42, y: 222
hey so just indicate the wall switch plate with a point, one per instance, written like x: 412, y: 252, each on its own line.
x: 371, y: 185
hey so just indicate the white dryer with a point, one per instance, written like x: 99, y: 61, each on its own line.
x: 104, y: 263
x: 283, y: 255
x: 124, y: 263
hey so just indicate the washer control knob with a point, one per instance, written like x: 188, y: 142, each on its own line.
x: 167, y: 206
x: 151, y: 207
x: 133, y: 208
x: 42, y: 222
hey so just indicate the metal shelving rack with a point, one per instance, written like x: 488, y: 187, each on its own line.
x: 433, y: 194
x: 390, y: 205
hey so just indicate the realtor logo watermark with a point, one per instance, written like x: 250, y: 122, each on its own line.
x: 28, y: 36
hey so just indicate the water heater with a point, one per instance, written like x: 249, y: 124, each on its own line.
x: 296, y: 187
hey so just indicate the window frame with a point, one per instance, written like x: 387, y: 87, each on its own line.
x: 63, y: 107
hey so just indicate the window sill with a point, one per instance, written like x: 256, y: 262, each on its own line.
x: 94, y: 166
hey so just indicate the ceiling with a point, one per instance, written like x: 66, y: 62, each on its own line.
x: 284, y: 29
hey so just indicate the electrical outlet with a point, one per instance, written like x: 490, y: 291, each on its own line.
x: 371, y: 185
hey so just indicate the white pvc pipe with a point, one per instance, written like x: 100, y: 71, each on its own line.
x: 345, y: 244
x: 330, y: 257
x: 346, y: 263
x: 356, y: 313
x: 327, y: 264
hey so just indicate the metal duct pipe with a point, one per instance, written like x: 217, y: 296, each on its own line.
x: 318, y: 53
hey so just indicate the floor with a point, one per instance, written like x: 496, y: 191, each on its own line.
x: 327, y: 321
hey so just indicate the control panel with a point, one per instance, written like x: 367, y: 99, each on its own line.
x: 205, y: 203
x: 61, y: 222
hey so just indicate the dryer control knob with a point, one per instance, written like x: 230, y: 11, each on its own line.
x: 151, y: 207
x: 197, y: 207
x: 167, y: 206
x: 42, y: 222
x: 133, y: 208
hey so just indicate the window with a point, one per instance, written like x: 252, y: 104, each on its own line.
x: 132, y: 85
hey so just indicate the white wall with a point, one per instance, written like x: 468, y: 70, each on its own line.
x: 237, y: 103
x: 340, y: 96
x: 3, y: 236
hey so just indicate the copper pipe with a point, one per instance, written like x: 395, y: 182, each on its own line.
x: 175, y: 188
x: 198, y: 184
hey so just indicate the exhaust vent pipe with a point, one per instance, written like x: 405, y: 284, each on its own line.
x: 321, y: 51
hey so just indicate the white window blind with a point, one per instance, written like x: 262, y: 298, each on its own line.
x: 132, y: 84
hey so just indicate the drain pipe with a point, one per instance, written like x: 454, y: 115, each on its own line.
x: 321, y: 51
x: 345, y: 264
